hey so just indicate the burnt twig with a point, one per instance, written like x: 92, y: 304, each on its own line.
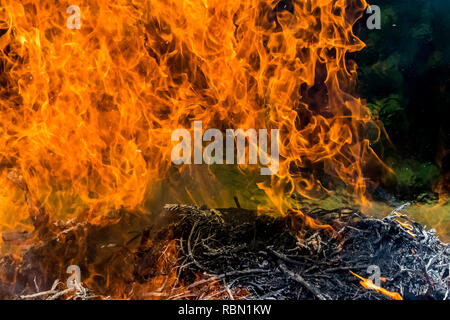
x: 302, y: 281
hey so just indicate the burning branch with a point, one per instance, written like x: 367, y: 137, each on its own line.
x: 368, y: 284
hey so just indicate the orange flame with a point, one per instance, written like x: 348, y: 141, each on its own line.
x: 407, y: 226
x: 86, y: 115
x: 167, y: 285
x: 368, y: 284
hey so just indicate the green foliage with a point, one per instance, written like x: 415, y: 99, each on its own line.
x: 389, y: 110
x: 412, y: 173
x: 404, y: 74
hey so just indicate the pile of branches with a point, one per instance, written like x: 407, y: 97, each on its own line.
x: 281, y: 258
x: 229, y: 253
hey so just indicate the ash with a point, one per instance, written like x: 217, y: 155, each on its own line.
x: 230, y: 253
x: 267, y: 257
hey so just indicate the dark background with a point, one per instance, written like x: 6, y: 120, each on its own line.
x: 404, y: 75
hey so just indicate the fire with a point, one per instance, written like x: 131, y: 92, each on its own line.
x: 167, y: 285
x: 368, y: 284
x: 86, y: 115
x: 407, y: 226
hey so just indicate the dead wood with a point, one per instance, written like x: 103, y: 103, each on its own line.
x: 236, y: 249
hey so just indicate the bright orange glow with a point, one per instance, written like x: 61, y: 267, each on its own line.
x: 86, y: 115
x: 407, y: 226
x: 368, y: 284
